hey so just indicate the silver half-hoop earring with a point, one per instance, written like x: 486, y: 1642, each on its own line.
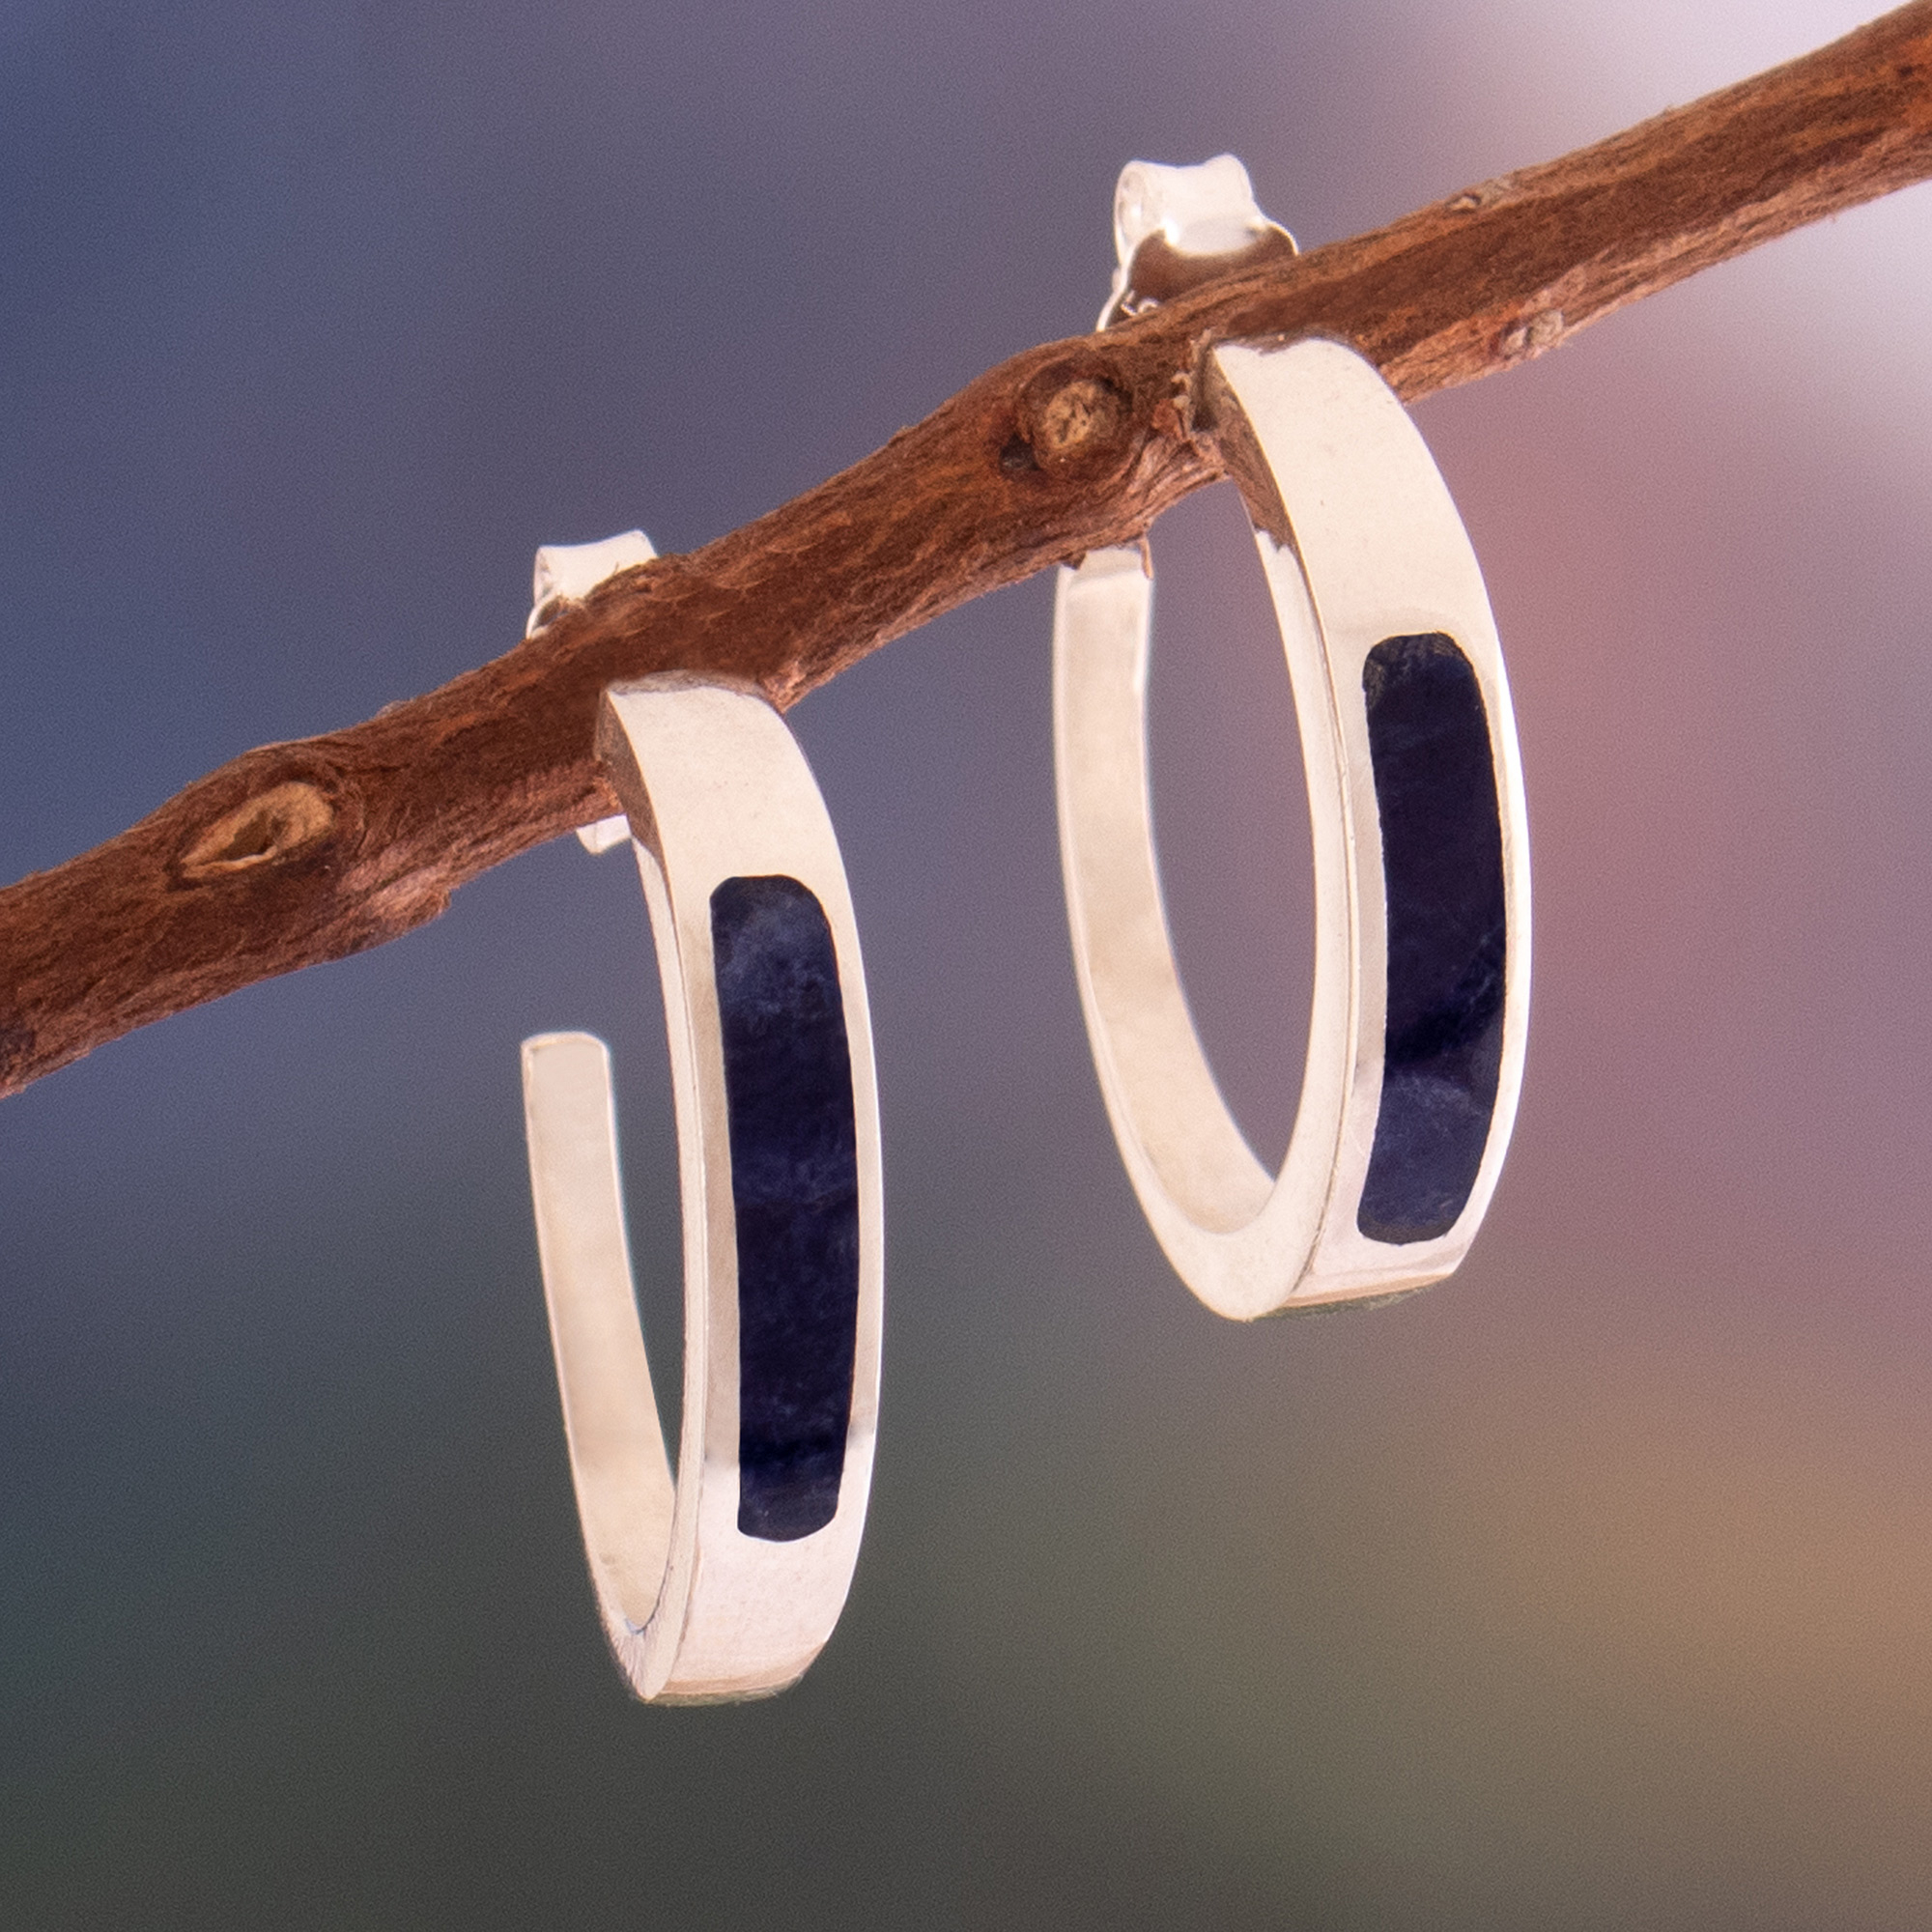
x: 725, y: 1581
x: 1421, y: 992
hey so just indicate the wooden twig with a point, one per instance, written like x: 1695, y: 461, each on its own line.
x: 297, y: 853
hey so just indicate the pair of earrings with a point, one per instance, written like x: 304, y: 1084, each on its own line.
x: 725, y: 1582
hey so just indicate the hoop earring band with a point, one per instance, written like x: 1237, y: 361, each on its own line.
x: 1421, y: 862
x: 724, y: 1583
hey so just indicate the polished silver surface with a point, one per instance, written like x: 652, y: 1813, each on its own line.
x: 715, y: 788
x: 1378, y: 552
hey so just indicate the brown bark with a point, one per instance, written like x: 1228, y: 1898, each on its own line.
x: 297, y: 853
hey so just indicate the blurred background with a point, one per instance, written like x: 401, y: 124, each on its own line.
x: 1592, y: 1588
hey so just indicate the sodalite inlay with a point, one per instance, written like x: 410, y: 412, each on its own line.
x: 1442, y: 862
x: 795, y: 1188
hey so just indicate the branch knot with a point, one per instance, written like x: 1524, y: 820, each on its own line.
x: 274, y: 825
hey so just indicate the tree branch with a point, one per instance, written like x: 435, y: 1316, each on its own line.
x: 297, y: 853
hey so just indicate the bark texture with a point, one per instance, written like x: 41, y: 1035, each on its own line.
x: 297, y: 853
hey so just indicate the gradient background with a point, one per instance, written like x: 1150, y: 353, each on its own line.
x: 1591, y: 1589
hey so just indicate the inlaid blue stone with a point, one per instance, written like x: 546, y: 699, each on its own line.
x: 1442, y: 865
x: 795, y: 1196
